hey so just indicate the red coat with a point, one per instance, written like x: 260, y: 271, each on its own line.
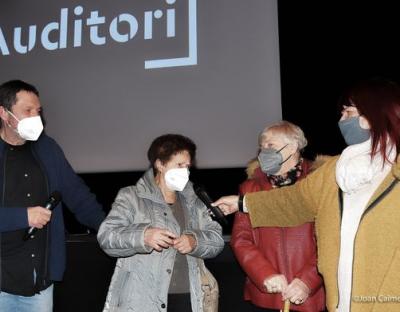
x: 265, y: 251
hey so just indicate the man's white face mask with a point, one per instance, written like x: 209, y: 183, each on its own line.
x: 29, y: 128
x: 177, y: 178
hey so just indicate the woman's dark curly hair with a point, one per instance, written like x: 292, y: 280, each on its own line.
x: 167, y: 145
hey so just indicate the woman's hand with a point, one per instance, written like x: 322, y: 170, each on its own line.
x: 158, y: 238
x: 297, y: 292
x: 228, y: 204
x: 276, y: 283
x: 185, y: 243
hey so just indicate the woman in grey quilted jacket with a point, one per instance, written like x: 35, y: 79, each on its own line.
x: 160, y: 231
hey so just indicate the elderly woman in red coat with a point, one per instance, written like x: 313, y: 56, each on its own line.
x: 280, y: 263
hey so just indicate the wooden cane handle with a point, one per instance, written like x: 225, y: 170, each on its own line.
x: 286, y: 306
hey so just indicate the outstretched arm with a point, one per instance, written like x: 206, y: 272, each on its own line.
x: 288, y: 206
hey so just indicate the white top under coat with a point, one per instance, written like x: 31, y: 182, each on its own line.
x: 358, y: 185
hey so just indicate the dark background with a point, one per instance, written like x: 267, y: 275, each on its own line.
x: 325, y: 46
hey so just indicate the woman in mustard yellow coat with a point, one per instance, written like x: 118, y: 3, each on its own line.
x: 355, y: 201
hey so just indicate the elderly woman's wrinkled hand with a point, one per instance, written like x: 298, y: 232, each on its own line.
x: 158, y: 238
x: 185, y: 243
x: 227, y: 204
x: 297, y: 292
x: 276, y: 283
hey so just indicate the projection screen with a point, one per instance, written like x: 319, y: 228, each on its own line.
x: 113, y: 75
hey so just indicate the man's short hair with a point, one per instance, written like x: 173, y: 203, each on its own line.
x: 9, y: 90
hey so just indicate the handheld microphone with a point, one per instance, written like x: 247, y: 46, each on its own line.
x: 218, y: 214
x: 50, y: 204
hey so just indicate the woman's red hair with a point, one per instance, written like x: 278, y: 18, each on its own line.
x: 378, y: 100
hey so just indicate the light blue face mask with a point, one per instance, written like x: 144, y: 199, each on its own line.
x: 352, y: 131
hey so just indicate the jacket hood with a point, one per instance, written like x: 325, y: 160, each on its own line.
x: 254, y: 164
x: 147, y: 188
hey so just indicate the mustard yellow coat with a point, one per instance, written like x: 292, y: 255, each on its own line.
x: 376, y: 262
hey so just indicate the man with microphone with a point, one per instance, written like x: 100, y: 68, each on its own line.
x: 34, y: 175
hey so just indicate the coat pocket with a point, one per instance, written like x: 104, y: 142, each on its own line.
x: 389, y: 293
x: 119, y: 291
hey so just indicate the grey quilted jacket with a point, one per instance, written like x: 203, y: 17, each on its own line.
x: 142, y: 275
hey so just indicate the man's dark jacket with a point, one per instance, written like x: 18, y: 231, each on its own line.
x: 75, y: 194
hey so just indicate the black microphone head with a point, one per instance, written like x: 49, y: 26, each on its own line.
x: 202, y: 194
x: 55, y: 197
x: 215, y: 211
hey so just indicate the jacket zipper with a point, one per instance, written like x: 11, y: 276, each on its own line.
x: 368, y: 209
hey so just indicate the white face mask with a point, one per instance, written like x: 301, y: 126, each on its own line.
x: 177, y: 178
x: 29, y: 128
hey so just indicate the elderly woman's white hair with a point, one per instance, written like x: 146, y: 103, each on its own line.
x: 289, y: 132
